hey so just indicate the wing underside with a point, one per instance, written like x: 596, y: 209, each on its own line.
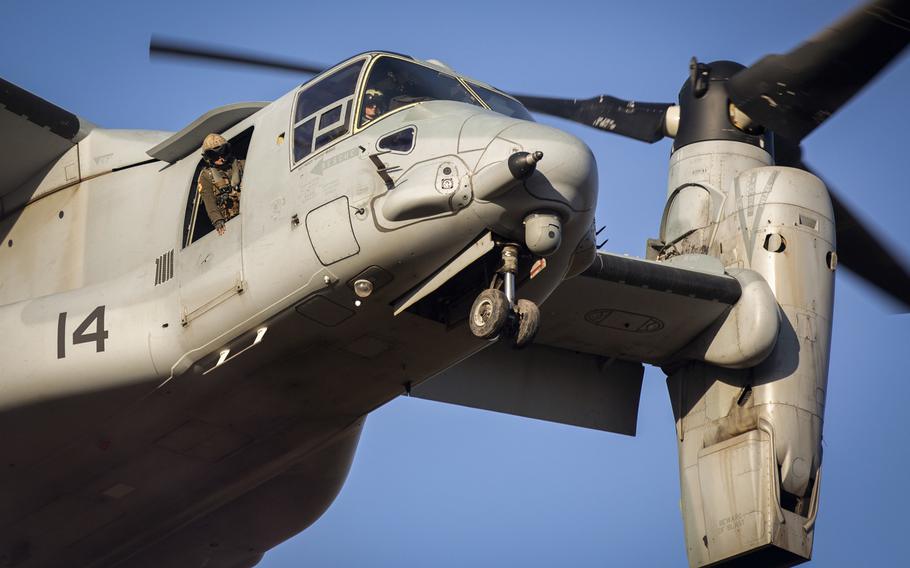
x: 637, y: 310
x: 585, y: 367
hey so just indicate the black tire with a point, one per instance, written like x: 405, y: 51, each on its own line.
x: 488, y: 314
x: 528, y: 322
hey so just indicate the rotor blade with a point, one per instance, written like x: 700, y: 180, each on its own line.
x: 794, y: 93
x: 858, y: 249
x: 868, y: 257
x: 641, y: 121
x: 159, y: 47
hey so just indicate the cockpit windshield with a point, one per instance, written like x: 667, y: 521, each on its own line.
x: 394, y: 83
x: 501, y: 103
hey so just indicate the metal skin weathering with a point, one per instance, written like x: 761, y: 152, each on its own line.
x: 187, y: 373
x: 211, y: 388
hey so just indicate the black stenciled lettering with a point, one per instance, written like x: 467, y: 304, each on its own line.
x: 61, y: 335
x: 100, y: 334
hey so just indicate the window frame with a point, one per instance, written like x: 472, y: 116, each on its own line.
x: 317, y: 115
x: 382, y: 137
x: 379, y: 56
x: 470, y: 83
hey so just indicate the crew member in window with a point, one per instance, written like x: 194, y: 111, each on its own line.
x: 219, y: 181
x: 373, y: 105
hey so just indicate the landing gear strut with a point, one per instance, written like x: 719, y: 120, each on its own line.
x: 496, y: 311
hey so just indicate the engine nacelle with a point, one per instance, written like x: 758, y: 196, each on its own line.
x: 750, y: 439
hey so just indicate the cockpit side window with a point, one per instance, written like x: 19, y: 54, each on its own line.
x: 324, y: 110
x: 394, y: 83
x: 501, y: 103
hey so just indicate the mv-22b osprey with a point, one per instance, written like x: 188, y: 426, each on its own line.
x: 172, y: 396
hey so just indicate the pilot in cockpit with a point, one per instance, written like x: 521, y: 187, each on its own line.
x: 373, y: 105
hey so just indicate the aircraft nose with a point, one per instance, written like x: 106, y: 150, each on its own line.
x: 567, y: 172
x: 561, y: 186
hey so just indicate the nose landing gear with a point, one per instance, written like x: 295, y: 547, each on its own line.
x: 489, y: 314
x: 495, y: 311
x: 528, y: 315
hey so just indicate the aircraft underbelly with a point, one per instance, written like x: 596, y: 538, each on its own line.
x: 201, y: 441
x: 251, y: 359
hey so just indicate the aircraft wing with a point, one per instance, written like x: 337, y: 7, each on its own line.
x: 585, y: 366
x: 33, y: 134
x: 635, y: 309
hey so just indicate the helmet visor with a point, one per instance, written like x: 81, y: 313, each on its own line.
x: 372, y: 98
x: 213, y: 154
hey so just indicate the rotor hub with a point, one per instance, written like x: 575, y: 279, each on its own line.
x: 706, y: 112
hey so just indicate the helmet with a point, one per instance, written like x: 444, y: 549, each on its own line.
x: 215, y: 146
x: 213, y: 141
x: 373, y: 97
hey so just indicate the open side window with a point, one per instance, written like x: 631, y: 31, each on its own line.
x: 196, y: 222
x: 324, y: 111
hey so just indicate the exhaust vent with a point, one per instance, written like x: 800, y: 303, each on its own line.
x: 164, y: 267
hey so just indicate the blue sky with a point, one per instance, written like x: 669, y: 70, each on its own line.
x: 446, y: 486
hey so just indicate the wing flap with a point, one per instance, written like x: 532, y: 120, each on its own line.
x: 544, y: 383
x: 33, y: 133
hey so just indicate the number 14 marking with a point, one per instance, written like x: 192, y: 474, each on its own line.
x: 80, y: 335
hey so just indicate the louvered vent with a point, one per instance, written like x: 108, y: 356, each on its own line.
x: 164, y: 267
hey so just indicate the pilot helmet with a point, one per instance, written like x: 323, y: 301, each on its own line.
x: 374, y: 97
x: 215, y: 146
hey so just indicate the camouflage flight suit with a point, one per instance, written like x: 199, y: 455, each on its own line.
x: 220, y: 189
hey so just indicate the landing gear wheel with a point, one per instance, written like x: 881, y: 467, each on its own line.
x: 528, y: 322
x: 489, y: 313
